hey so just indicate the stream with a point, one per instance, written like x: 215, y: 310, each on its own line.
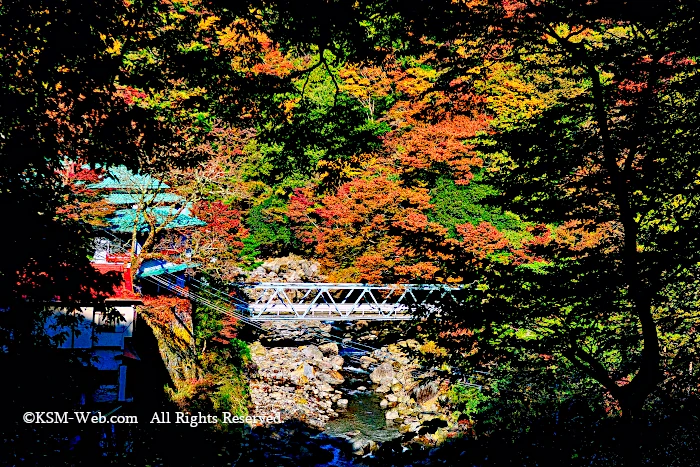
x: 363, y: 419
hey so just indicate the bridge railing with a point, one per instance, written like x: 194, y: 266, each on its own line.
x: 270, y: 301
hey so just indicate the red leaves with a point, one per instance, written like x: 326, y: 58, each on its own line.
x: 219, y: 242
x: 129, y: 95
x: 532, y: 250
x: 357, y: 231
x: 229, y: 330
x: 161, y: 310
x: 223, y: 224
x: 439, y: 147
x: 481, y: 240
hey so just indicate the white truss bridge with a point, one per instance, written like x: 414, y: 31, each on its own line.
x: 277, y: 301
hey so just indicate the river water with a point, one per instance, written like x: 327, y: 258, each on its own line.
x: 363, y: 419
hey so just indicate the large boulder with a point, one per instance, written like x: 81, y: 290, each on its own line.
x: 337, y: 362
x: 329, y: 349
x: 302, y: 374
x: 257, y: 349
x: 366, y: 361
x: 312, y: 352
x: 331, y: 377
x: 383, y: 375
x: 360, y: 447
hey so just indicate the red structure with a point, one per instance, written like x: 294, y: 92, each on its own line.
x: 120, y: 264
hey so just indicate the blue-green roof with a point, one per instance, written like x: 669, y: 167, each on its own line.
x: 121, y: 178
x: 153, y: 268
x: 149, y: 198
x: 124, y: 219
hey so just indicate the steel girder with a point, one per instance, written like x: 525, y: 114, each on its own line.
x: 274, y: 301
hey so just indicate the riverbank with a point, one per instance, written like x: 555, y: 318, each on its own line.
x: 362, y: 404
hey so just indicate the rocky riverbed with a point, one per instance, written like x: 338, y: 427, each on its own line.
x: 374, y: 404
x: 326, y: 391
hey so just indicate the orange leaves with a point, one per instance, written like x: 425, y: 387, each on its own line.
x: 481, y: 240
x: 439, y: 147
x: 413, y: 222
x: 274, y: 63
x: 163, y: 310
x: 359, y: 226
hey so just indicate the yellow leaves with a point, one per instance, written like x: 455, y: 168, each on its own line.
x: 289, y: 106
x: 240, y: 34
x: 431, y: 348
x: 516, y: 94
x: 365, y: 82
x: 417, y: 82
x: 116, y: 48
x: 229, y: 38
x: 207, y: 23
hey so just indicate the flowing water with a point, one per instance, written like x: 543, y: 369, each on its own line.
x: 363, y: 419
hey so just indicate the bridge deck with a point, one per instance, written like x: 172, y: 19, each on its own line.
x: 342, y: 312
x: 328, y: 301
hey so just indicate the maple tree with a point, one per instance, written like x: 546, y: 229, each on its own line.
x: 542, y: 151
x: 587, y: 139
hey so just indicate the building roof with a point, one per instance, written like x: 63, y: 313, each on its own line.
x: 155, y: 267
x: 124, y: 219
x: 149, y: 198
x: 121, y: 178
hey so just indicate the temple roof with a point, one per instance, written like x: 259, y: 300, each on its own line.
x: 129, y: 198
x: 124, y: 219
x: 155, y: 267
x: 121, y: 178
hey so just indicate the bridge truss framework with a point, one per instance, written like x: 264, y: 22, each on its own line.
x: 276, y: 301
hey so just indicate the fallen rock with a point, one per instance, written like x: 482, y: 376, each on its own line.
x: 329, y: 349
x: 302, y: 374
x: 297, y: 377
x: 337, y: 362
x: 312, y: 352
x: 324, y: 387
x: 331, y: 377
x: 383, y: 375
x: 342, y: 403
x: 325, y: 365
x: 366, y: 361
x: 391, y: 415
